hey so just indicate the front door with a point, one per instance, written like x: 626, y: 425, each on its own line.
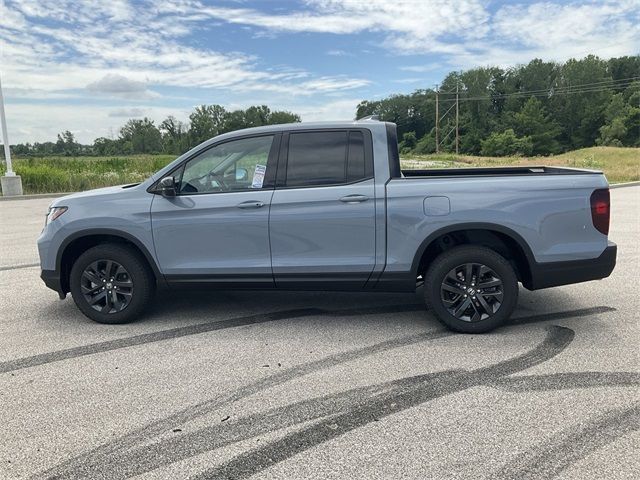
x: 322, y: 222
x: 216, y: 229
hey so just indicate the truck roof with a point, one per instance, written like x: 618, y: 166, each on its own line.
x: 367, y: 122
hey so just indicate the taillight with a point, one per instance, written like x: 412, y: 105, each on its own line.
x: 601, y: 210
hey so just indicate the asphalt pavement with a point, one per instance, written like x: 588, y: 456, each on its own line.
x: 318, y: 385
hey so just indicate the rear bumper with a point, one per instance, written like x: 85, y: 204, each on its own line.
x: 51, y: 279
x: 553, y: 274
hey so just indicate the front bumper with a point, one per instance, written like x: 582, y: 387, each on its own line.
x: 52, y: 280
x: 553, y: 274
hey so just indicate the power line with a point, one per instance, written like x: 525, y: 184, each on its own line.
x: 546, y: 93
x: 572, y: 87
x: 445, y: 113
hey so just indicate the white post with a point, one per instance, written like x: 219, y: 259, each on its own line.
x: 5, y: 135
x: 11, y: 183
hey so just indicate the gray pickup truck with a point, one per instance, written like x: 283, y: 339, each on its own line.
x: 326, y: 206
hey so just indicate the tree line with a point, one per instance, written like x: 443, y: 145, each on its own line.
x: 171, y: 136
x: 540, y: 108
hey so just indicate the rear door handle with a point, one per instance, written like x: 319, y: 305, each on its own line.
x: 354, y: 199
x: 251, y: 204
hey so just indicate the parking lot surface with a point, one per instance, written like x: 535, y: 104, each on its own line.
x: 318, y: 385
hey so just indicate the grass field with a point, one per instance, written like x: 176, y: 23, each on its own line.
x: 67, y: 174
x: 618, y: 164
x: 64, y: 174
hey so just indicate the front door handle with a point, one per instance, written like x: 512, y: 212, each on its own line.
x: 354, y: 199
x: 251, y: 204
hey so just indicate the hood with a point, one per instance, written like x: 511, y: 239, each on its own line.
x: 98, y: 192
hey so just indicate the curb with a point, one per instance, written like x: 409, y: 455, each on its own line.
x: 35, y: 196
x: 626, y: 184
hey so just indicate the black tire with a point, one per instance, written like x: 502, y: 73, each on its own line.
x: 133, y: 275
x: 447, y: 290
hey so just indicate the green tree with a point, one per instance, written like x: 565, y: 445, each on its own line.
x: 506, y: 143
x: 408, y: 142
x: 581, y: 114
x: 140, y: 136
x: 533, y: 121
x: 612, y: 132
x: 175, y: 136
x: 427, y: 144
x: 206, y: 122
x: 282, y: 116
x: 106, y: 146
x: 66, y: 144
x: 618, y: 115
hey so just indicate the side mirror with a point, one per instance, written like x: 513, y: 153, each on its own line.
x: 167, y: 187
x: 241, y: 174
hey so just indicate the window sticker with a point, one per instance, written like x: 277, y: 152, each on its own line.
x: 258, y: 176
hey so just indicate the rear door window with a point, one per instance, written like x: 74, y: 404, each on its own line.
x: 326, y: 158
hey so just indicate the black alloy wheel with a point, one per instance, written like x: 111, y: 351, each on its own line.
x: 106, y: 286
x: 472, y: 292
x: 111, y: 283
x: 471, y: 288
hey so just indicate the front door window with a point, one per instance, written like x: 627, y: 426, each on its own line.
x: 238, y: 165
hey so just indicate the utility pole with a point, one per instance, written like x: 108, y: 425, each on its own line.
x: 437, y: 122
x: 10, y: 182
x: 457, y: 120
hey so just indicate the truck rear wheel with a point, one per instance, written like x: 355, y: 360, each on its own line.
x: 471, y: 289
x: 111, y: 284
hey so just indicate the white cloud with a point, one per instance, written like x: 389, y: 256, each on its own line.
x: 128, y: 112
x: 121, y: 86
x: 343, y: 109
x: 339, y: 53
x: 465, y: 32
x: 421, y: 68
x: 126, y: 54
x: 409, y: 25
x: 42, y: 122
x: 83, y: 42
x: 554, y: 31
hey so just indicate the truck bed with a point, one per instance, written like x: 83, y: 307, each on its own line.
x: 496, y: 171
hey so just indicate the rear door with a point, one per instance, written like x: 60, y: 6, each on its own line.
x: 322, y: 219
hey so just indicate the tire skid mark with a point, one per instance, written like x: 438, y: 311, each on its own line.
x: 105, y: 454
x: 564, y: 381
x: 165, y: 452
x: 582, y: 312
x: 109, y: 345
x: 18, y: 266
x: 551, y: 458
x: 415, y: 391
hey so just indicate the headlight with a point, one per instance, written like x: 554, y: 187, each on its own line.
x: 54, y: 212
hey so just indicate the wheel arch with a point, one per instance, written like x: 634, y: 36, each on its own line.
x: 74, y: 245
x: 499, y: 238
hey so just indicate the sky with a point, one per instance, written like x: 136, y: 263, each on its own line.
x: 88, y: 66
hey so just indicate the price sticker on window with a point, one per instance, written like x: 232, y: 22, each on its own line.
x: 258, y: 176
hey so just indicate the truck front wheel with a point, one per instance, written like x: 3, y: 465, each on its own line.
x: 111, y: 284
x: 471, y: 289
